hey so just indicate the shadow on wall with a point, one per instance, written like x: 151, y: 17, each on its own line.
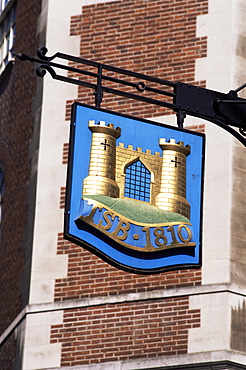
x: 238, y: 327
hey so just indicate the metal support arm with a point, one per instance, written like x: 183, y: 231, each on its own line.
x: 224, y: 110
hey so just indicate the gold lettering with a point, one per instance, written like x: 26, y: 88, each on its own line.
x: 148, y: 245
x: 89, y: 217
x: 122, y: 226
x: 107, y: 220
x: 168, y: 235
x: 180, y: 235
x: 159, y: 233
x: 172, y: 231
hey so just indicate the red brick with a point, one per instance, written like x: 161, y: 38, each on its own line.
x: 146, y: 338
x: 144, y: 22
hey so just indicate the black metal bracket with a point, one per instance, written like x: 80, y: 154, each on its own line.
x: 225, y: 110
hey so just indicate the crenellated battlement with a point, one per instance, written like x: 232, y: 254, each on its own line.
x: 173, y: 145
x: 102, y: 127
x: 138, y: 150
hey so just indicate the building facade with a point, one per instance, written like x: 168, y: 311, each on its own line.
x: 61, y: 306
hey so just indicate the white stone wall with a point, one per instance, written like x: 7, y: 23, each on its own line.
x: 39, y: 353
x: 46, y: 264
x: 216, y: 69
x: 223, y: 71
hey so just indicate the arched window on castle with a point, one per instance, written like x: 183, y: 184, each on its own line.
x: 137, y: 182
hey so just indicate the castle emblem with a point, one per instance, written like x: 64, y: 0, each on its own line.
x: 134, y: 191
x: 135, y: 197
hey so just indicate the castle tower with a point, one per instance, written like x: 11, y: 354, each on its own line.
x: 172, y: 196
x: 101, y: 178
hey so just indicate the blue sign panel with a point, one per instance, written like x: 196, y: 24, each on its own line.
x: 134, y: 191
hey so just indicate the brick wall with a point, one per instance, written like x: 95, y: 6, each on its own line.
x: 151, y: 37
x: 17, y: 89
x: 8, y: 353
x: 197, y: 128
x: 124, y: 331
x: 89, y: 276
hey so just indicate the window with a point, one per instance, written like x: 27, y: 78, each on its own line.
x: 137, y: 183
x: 7, y: 32
x: 1, y: 196
x: 3, y: 3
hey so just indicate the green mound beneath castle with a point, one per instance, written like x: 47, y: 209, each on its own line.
x: 138, y: 211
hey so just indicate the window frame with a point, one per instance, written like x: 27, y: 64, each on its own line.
x: 137, y: 188
x: 3, y: 5
x: 7, y: 33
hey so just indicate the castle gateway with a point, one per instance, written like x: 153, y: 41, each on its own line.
x: 134, y: 194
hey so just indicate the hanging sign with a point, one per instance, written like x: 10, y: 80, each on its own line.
x: 134, y: 191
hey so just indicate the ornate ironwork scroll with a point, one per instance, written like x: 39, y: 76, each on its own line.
x: 225, y: 110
